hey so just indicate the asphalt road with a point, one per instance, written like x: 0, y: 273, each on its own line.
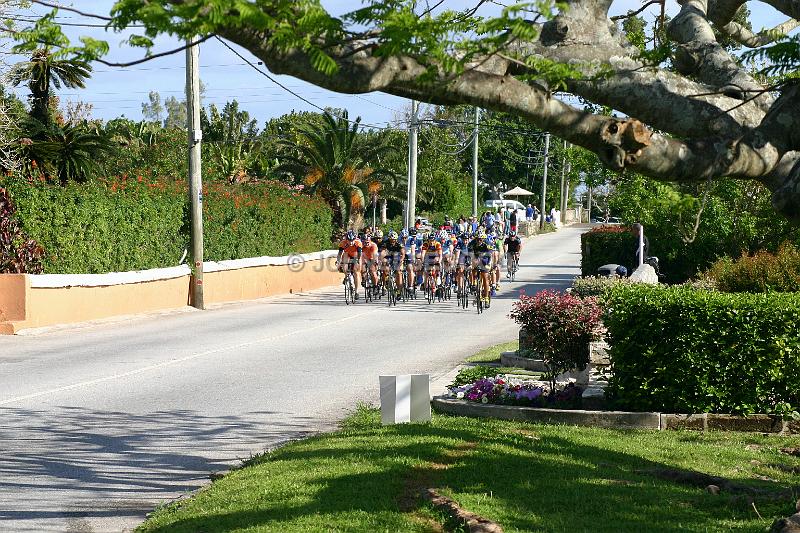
x: 99, y: 424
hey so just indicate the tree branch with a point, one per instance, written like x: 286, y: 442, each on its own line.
x: 699, y: 54
x: 744, y: 36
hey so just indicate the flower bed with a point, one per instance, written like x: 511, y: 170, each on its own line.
x: 505, y: 391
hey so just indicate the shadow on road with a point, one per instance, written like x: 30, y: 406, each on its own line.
x: 120, y: 464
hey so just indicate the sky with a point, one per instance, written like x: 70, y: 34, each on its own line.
x: 114, y: 92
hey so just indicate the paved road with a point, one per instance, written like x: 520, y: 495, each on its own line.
x: 99, y: 424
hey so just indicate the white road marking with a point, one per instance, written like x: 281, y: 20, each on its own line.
x: 178, y: 360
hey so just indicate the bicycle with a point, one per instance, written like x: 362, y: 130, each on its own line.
x: 349, y: 287
x: 512, y: 265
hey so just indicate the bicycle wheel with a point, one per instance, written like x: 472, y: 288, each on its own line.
x: 478, y: 301
x: 391, y: 295
x: 349, y: 290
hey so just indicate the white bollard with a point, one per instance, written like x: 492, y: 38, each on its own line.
x: 405, y: 399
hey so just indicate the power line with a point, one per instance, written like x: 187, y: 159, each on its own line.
x: 285, y: 88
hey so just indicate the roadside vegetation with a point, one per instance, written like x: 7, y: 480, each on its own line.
x: 367, y: 477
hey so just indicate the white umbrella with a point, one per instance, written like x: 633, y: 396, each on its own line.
x: 517, y: 191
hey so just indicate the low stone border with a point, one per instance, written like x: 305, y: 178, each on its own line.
x: 513, y: 360
x: 619, y: 419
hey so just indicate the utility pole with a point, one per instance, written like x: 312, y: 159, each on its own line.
x: 412, y: 165
x: 563, y: 197
x: 475, y: 164
x: 544, y: 178
x: 195, y: 135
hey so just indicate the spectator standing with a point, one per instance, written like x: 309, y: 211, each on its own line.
x: 512, y: 222
x: 529, y: 212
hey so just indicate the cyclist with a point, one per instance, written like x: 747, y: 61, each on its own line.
x: 370, y: 259
x: 495, y: 245
x: 447, y: 251
x: 482, y: 255
x: 393, y: 254
x: 432, y: 258
x: 462, y: 257
x: 377, y: 238
x: 349, y: 257
x: 409, y: 253
x: 513, y: 246
x: 419, y: 242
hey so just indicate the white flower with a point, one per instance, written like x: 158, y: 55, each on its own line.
x: 485, y: 399
x: 460, y: 395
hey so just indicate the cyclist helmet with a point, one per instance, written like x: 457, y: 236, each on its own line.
x: 403, y: 233
x: 392, y: 235
x: 367, y: 237
x: 431, y: 236
x: 413, y: 232
x: 512, y: 233
x: 480, y: 234
x: 351, y: 235
x: 379, y: 234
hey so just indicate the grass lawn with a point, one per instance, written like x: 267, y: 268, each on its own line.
x: 492, y: 353
x: 526, y: 477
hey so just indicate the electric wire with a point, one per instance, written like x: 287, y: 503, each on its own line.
x: 296, y: 95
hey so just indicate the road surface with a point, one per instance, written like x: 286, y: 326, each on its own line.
x: 99, y: 424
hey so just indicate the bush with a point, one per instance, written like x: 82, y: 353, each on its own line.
x: 608, y: 244
x: 761, y: 272
x: 678, y: 349
x: 596, y: 286
x: 560, y: 328
x: 133, y: 224
x: 266, y: 218
x: 18, y: 253
x: 103, y: 227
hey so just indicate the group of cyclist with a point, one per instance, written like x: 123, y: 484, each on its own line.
x: 430, y: 259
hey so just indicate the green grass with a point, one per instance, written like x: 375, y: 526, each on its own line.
x: 526, y: 477
x: 492, y: 353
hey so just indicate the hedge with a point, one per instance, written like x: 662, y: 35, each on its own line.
x: 132, y: 224
x: 760, y: 272
x: 606, y: 245
x: 683, y: 350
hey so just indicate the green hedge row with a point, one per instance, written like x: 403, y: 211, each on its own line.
x: 131, y: 224
x: 683, y: 350
x: 608, y: 245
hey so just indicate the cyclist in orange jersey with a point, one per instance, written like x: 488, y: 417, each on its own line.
x: 350, y: 250
x: 431, y: 258
x: 369, y: 259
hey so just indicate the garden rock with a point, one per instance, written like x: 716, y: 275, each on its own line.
x: 787, y: 525
x: 644, y: 274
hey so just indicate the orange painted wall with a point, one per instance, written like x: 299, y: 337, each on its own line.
x: 64, y: 305
x: 260, y: 282
x: 23, y: 306
x: 14, y: 290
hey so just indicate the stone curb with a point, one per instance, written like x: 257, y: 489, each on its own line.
x: 514, y: 360
x: 619, y: 419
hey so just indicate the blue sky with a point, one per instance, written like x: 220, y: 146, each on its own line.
x: 114, y: 92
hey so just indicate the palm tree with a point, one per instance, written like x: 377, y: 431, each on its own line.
x: 334, y: 164
x: 43, y: 70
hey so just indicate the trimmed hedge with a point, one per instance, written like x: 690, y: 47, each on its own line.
x: 608, y: 244
x: 683, y: 350
x: 132, y: 224
x: 98, y: 227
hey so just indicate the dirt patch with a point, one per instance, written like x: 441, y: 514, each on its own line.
x: 791, y: 451
x: 473, y: 522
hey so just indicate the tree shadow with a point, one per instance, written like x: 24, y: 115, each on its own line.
x: 69, y: 462
x: 546, y: 483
